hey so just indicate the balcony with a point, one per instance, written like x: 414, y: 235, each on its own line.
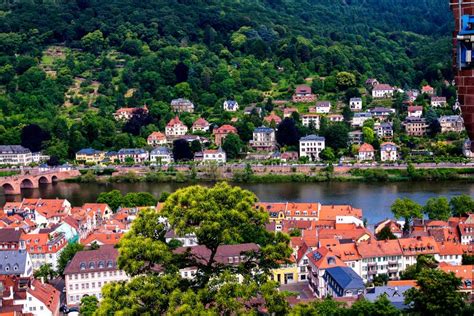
x: 372, y: 272
x: 372, y: 264
x: 394, y: 262
x: 393, y: 269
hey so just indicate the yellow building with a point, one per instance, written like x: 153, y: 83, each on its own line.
x: 90, y: 155
x: 286, y: 273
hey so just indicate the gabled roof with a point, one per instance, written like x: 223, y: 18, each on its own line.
x: 200, y: 122
x: 46, y: 294
x: 102, y: 259
x: 366, y: 148
x: 13, y: 262
x: 174, y: 121
x: 383, y: 86
x: 225, y: 129
x: 322, y: 258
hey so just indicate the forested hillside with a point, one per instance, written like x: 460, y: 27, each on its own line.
x: 107, y: 54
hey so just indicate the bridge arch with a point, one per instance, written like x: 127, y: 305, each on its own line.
x: 26, y: 184
x: 43, y: 179
x: 8, y: 188
x: 54, y: 178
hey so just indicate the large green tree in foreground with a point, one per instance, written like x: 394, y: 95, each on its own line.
x: 217, y: 216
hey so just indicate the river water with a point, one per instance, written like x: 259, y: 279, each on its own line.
x: 374, y: 199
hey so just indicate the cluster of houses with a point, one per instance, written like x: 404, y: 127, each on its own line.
x: 334, y: 254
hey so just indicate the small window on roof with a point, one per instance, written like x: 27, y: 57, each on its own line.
x: 82, y: 266
x: 109, y: 264
x: 101, y: 264
x: 91, y: 265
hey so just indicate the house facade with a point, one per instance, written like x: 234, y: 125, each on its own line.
x: 176, y: 128
x: 388, y: 152
x: 415, y: 126
x: 263, y: 139
x: 359, y: 119
x: 221, y: 133
x: 311, y: 146
x: 200, y: 125
x: 380, y: 91
x: 89, y: 271
x: 156, y: 139
x: 438, y: 102
x: 182, y: 105
x: 214, y: 155
x: 355, y: 104
x: 90, y: 155
x: 451, y: 123
x: 162, y: 155
x: 311, y: 120
x: 138, y: 155
x: 366, y: 152
x: 304, y: 94
x: 15, y: 155
x: 231, y: 106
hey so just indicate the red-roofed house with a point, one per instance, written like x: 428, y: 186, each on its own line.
x: 366, y: 152
x: 272, y: 118
x: 415, y: 111
x: 44, y: 248
x: 200, y: 125
x: 156, y: 139
x: 176, y: 128
x: 303, y: 93
x: 320, y: 260
x: 42, y: 299
x: 429, y: 90
x: 222, y: 132
x: 127, y: 113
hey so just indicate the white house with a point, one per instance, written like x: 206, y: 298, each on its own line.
x: 311, y: 146
x: 415, y: 111
x: 388, y: 152
x: 382, y: 91
x: 15, y: 155
x: 231, y: 106
x: 161, y: 155
x: 89, y: 271
x: 311, y: 119
x: 214, y: 155
x: 323, y: 107
x: 359, y: 119
x: 437, y: 102
x: 176, y: 128
x: 366, y: 152
x: 355, y: 104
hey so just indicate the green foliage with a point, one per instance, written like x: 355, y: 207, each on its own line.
x: 89, y: 304
x: 461, y: 205
x: 385, y: 234
x: 232, y: 146
x: 46, y: 272
x: 437, y: 293
x: 216, y: 216
x: 115, y: 199
x: 66, y: 255
x: 406, y: 209
x: 437, y: 208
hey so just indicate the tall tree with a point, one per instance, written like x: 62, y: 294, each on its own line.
x: 461, y: 205
x: 437, y: 294
x: 182, y: 151
x: 408, y: 210
x: 66, y: 255
x: 287, y: 133
x: 232, y: 146
x: 437, y: 208
x: 33, y: 137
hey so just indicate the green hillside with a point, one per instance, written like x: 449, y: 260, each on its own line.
x: 68, y: 65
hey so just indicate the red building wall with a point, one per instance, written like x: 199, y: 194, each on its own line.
x: 464, y: 78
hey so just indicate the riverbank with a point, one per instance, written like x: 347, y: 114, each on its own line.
x: 248, y: 175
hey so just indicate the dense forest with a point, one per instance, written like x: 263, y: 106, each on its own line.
x: 66, y: 66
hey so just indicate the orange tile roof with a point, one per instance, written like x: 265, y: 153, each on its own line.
x: 449, y: 248
x: 373, y: 248
x: 418, y: 246
x: 465, y: 272
x: 393, y: 283
x: 157, y: 136
x: 329, y: 212
x: 366, y: 148
x: 47, y: 294
x: 225, y: 129
x: 41, y: 243
x: 103, y: 238
x: 346, y: 252
x: 200, y: 122
x: 174, y: 121
x: 323, y: 259
x: 354, y: 233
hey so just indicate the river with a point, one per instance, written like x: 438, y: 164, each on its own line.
x: 374, y: 199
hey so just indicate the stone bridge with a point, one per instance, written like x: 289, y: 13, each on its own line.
x: 12, y: 185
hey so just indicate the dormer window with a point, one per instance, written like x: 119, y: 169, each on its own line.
x: 101, y: 264
x: 82, y: 266
x: 110, y: 264
x: 91, y: 265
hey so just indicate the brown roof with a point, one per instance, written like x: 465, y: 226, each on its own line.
x: 225, y: 129
x: 10, y: 235
x: 201, y: 122
x: 224, y: 252
x: 102, y: 259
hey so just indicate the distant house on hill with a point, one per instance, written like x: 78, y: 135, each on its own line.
x: 182, y: 105
x: 231, y: 106
x: 304, y: 94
